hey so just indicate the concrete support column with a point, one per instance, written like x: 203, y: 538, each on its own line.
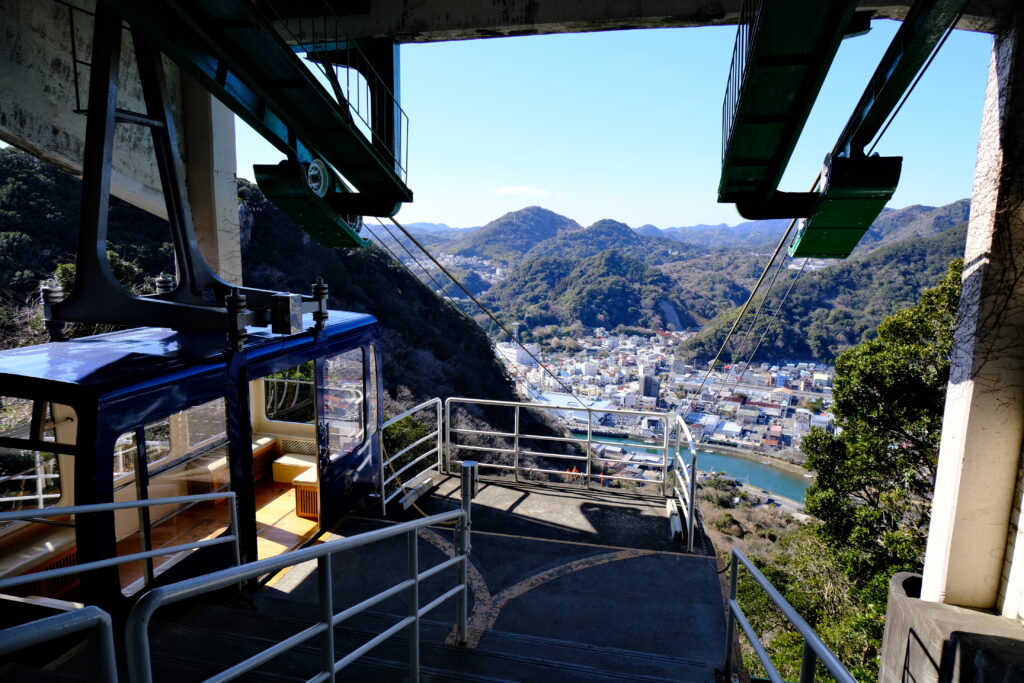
x: 209, y: 140
x: 979, y: 457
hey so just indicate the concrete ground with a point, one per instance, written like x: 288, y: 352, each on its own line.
x: 594, y: 569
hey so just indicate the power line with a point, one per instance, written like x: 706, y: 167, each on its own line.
x: 768, y: 327
x: 753, y: 292
x: 917, y: 79
x: 746, y: 305
x: 485, y: 310
x: 444, y: 296
x: 757, y: 313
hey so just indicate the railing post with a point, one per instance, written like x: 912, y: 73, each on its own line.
x: 414, y: 607
x: 515, y: 448
x: 469, y: 470
x: 590, y: 442
x: 664, y: 460
x: 381, y: 476
x: 692, y: 501
x: 730, y: 634
x: 807, y: 664
x: 440, y: 439
x: 447, y: 435
x: 327, y: 658
x: 235, y: 547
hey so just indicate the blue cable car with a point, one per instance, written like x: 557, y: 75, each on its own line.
x: 289, y: 422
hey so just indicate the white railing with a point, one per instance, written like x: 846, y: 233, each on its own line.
x: 684, y: 480
x: 40, y: 473
x: 147, y: 555
x: 814, y: 649
x: 514, y: 455
x: 92, y: 620
x: 391, y: 485
x: 137, y: 633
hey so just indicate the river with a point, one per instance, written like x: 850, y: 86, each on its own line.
x: 758, y: 474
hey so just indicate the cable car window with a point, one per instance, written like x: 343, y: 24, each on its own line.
x: 29, y: 478
x: 186, y: 454
x: 343, y: 402
x: 177, y: 436
x: 288, y: 395
x: 206, y: 425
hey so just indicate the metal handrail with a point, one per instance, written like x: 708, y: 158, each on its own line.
x: 30, y: 515
x: 369, y: 100
x: 137, y: 634
x: 586, y: 477
x: 814, y: 648
x: 687, y: 476
x: 91, y: 619
x: 385, y: 496
x: 746, y: 34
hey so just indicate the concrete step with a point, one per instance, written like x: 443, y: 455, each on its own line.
x: 24, y: 673
x: 220, y: 636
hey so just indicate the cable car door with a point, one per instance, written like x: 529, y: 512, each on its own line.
x: 345, y: 463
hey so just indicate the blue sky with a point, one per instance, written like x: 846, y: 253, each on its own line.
x: 627, y: 125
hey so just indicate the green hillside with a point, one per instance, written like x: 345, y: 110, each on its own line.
x: 507, y: 238
x: 834, y: 308
x: 429, y: 348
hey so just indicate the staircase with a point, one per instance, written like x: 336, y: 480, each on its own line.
x: 213, y: 637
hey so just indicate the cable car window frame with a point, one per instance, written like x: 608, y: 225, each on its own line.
x: 42, y: 438
x: 322, y: 419
x: 262, y: 404
x: 175, y: 456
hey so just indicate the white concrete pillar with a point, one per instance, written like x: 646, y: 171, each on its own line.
x: 979, y: 457
x: 208, y: 135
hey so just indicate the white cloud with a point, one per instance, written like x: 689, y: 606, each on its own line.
x: 521, y: 190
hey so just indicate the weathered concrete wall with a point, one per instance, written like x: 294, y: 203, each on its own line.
x: 37, y: 97
x: 37, y: 114
x: 917, y: 633
x: 209, y: 137
x: 983, y: 428
x: 1011, y: 589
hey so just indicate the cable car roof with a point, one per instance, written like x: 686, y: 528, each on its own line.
x: 107, y: 362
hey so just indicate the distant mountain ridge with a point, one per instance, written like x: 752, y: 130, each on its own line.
x: 611, y: 274
x: 509, y: 237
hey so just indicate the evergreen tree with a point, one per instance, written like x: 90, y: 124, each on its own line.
x: 876, y: 474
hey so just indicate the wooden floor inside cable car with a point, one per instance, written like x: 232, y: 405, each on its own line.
x: 279, y: 529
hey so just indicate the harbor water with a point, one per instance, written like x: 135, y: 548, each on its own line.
x: 761, y: 475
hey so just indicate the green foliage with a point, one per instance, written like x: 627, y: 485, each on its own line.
x: 875, y: 479
x: 872, y: 493
x: 506, y: 239
x: 429, y: 348
x: 804, y: 570
x: 832, y: 309
x: 403, y: 434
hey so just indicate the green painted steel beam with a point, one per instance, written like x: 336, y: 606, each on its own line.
x: 782, y: 55
x: 915, y: 40
x: 854, y: 192
x: 288, y: 186
x: 229, y: 48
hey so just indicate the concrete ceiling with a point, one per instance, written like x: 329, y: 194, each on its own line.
x: 420, y: 21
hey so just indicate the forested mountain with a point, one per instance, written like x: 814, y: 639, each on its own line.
x: 750, y: 235
x: 607, y: 288
x: 689, y: 277
x: 666, y: 283
x: 834, y: 308
x: 912, y: 221
x: 429, y: 348
x: 509, y: 237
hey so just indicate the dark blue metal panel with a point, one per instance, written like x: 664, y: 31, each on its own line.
x: 121, y: 381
